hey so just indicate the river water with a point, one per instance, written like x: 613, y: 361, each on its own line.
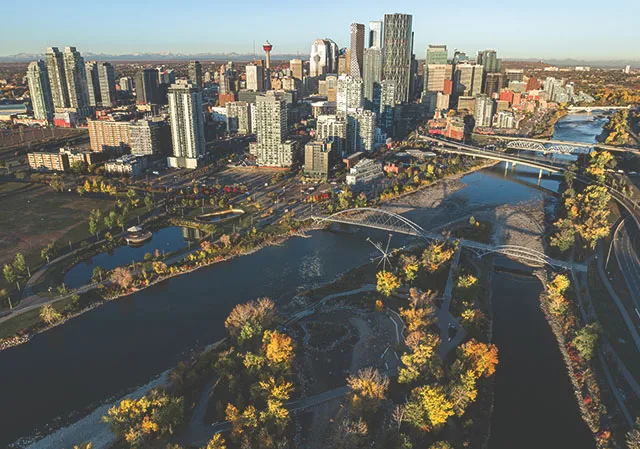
x: 122, y: 344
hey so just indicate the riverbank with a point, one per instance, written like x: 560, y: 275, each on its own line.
x: 548, y: 128
x: 435, y: 192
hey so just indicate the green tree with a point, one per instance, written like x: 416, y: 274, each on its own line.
x: 10, y: 274
x: 20, y: 265
x: 94, y: 219
x: 148, y: 201
x: 47, y: 251
x: 586, y: 341
x: 99, y: 274
x: 110, y: 219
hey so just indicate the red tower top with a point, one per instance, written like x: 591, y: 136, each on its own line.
x: 267, y: 46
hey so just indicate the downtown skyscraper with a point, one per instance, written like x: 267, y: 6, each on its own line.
x: 40, y: 90
x: 187, y: 125
x: 76, y: 79
x: 356, y: 50
x: 101, y: 83
x: 195, y: 73
x: 372, y: 73
x: 375, y: 34
x: 397, y: 50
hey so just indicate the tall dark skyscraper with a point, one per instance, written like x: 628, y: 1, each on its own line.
x: 398, y: 47
x: 107, y: 82
x: 76, y: 78
x: 93, y: 83
x: 146, y: 84
x: 195, y: 73
x: 372, y: 73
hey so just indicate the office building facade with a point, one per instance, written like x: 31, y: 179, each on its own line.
x: 317, y: 159
x: 146, y: 86
x: 372, y: 75
x: 375, y: 34
x: 398, y: 49
x: 238, y: 117
x: 150, y: 137
x: 255, y: 78
x: 195, y: 73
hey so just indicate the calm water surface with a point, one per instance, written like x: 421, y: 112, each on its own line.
x: 123, y: 344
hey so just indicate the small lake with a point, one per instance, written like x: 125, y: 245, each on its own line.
x: 171, y: 238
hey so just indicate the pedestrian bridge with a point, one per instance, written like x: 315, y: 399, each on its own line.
x: 385, y: 220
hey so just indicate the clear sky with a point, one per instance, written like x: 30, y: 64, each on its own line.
x: 585, y: 29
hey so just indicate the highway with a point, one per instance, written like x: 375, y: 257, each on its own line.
x: 627, y: 258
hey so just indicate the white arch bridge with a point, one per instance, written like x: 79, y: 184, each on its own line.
x: 530, y: 145
x: 389, y: 221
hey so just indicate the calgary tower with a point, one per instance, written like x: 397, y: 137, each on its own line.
x: 267, y: 67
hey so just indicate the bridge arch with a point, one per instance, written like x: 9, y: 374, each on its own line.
x: 390, y: 221
x: 526, y: 145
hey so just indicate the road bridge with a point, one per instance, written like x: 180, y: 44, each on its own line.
x: 564, y: 143
x: 385, y: 220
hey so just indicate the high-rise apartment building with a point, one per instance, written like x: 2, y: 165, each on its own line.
x: 272, y: 149
x: 238, y: 117
x: 150, y: 137
x: 55, y: 68
x: 513, y: 75
x: 147, y: 91
x: 40, y: 90
x: 483, y: 113
x: 195, y: 73
x: 333, y: 128
x: 255, y: 77
x: 398, y: 48
x: 107, y: 81
x: 101, y: 83
x: 388, y: 102
x: 467, y: 79
x: 187, y: 125
x: 296, y: 68
x: 356, y: 50
x: 361, y: 129
x: 372, y: 72
x: 93, y: 83
x: 105, y: 135
x: 350, y: 94
x: 76, y: 79
x: 375, y: 34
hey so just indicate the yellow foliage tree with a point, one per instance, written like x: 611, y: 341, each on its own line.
x: 387, y: 283
x: 278, y: 348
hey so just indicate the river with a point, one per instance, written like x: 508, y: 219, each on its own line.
x: 122, y: 344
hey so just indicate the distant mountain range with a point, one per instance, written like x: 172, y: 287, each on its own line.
x: 23, y: 57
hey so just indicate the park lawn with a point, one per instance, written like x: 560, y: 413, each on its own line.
x: 29, y: 220
x: 27, y: 319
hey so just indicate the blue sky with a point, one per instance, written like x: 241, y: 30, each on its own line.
x: 589, y: 29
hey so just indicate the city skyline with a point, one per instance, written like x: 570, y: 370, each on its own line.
x: 204, y: 33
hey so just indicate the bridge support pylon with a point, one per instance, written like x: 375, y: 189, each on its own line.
x: 539, y: 177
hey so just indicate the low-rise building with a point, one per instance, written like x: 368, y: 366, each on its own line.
x: 62, y: 160
x: 130, y: 165
x: 108, y: 135
x: 364, y: 172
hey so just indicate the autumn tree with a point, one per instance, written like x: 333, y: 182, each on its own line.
x: 387, y: 283
x: 351, y: 434
x: 249, y: 320
x: 599, y: 161
x: 586, y: 341
x: 481, y: 358
x: 462, y: 390
x: 122, y: 277
x: 410, y: 265
x: 278, y: 348
x: 368, y: 389
x: 633, y: 436
x: 428, y: 408
x: 558, y: 304
x: 435, y: 256
x: 49, y: 315
x: 141, y: 420
x: 422, y: 358
x: 217, y: 442
x: 440, y: 445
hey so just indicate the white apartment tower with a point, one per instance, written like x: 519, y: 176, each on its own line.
x: 271, y: 148
x: 187, y: 125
